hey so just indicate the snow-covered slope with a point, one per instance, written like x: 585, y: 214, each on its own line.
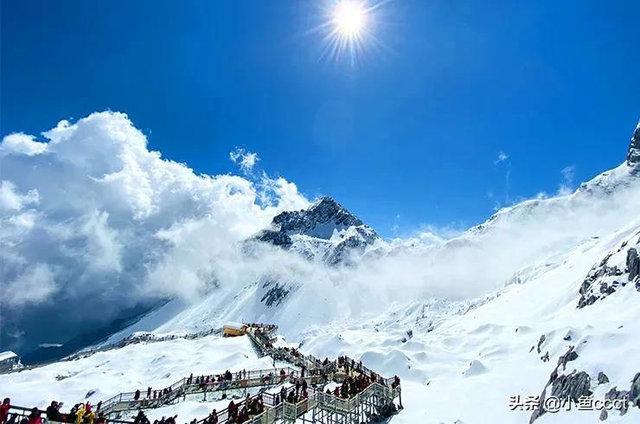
x: 459, y: 362
x: 302, y: 294
x: 105, y: 374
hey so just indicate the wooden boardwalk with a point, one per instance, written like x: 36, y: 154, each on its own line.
x: 317, y: 407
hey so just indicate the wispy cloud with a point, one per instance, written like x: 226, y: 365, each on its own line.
x: 568, y: 175
x: 502, y: 156
x: 246, y: 160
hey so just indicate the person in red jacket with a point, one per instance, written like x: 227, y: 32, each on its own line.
x: 4, y: 410
x: 34, y: 417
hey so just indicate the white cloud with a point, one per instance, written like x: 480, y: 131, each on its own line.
x: 246, y: 160
x: 21, y: 144
x: 36, y: 284
x: 94, y: 218
x: 502, y: 156
x: 10, y: 200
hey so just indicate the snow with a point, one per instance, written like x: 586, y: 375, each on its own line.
x: 133, y: 367
x: 7, y: 355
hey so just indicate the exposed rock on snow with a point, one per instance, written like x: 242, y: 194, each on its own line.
x: 602, y: 378
x: 571, y: 355
x: 633, y: 264
x: 607, y: 277
x: 634, y: 392
x: 542, y: 339
x: 275, y: 295
x: 572, y: 386
x: 633, y: 157
x: 562, y: 385
x: 614, y: 394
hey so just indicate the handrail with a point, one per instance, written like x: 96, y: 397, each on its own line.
x: 215, y: 382
x: 24, y: 412
x: 260, y: 334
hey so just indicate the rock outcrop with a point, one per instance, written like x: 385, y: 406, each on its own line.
x: 608, y: 276
x: 602, y: 378
x: 633, y: 155
x: 572, y: 386
x: 633, y: 264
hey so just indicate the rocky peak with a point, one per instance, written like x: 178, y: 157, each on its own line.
x: 325, y: 231
x: 633, y: 155
x: 320, y: 220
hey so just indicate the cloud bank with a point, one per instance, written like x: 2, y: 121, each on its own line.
x: 89, y: 215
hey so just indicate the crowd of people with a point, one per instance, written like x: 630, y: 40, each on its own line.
x: 350, y: 367
x: 141, y: 418
x: 152, y: 394
x: 206, y: 381
x: 351, y: 386
x: 81, y: 413
x: 265, y: 328
x: 245, y: 410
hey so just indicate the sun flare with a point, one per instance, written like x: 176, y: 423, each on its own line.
x: 350, y: 18
x: 348, y: 27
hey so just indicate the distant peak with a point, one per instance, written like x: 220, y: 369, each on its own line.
x: 320, y: 220
x: 326, y: 202
x: 633, y: 155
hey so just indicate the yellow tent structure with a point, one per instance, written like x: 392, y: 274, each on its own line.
x: 232, y: 329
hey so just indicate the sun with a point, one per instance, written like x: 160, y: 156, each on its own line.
x: 350, y: 17
x: 348, y: 28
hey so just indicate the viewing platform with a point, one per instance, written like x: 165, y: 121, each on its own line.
x: 304, y: 400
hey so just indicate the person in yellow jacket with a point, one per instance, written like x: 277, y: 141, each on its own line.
x: 88, y: 416
x: 80, y: 414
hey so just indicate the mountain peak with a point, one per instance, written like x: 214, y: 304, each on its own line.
x: 325, y: 230
x: 319, y: 220
x: 325, y: 201
x: 633, y: 155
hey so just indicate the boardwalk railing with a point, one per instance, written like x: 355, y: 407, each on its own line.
x: 312, y: 369
x: 256, y: 378
x: 22, y: 412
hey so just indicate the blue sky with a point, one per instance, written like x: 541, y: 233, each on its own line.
x: 409, y: 136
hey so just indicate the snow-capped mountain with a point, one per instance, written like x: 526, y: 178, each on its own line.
x: 540, y: 300
x: 325, y: 232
